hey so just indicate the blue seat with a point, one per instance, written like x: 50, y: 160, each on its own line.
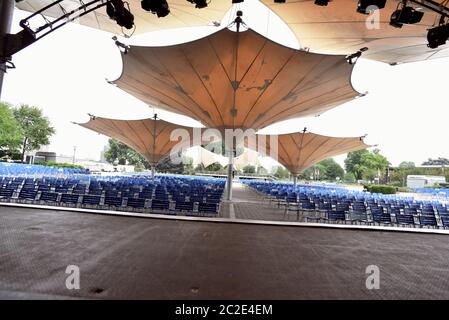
x: 48, y: 196
x: 113, y: 201
x: 381, y: 218
x: 335, y: 216
x: 70, y: 198
x: 428, y: 220
x: 405, y: 219
x: 6, y: 193
x: 27, y: 194
x: 136, y: 203
x: 91, y: 200
x: 445, y: 221
x: 157, y: 204
x: 208, y: 208
x: 184, y: 206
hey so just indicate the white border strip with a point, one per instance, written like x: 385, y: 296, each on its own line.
x: 228, y: 220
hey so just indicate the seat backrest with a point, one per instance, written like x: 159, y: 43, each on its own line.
x: 405, y: 219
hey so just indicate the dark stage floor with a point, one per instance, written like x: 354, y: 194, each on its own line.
x: 127, y: 258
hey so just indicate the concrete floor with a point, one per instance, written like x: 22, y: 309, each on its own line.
x: 135, y: 258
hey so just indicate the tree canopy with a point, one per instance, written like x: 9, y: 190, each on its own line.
x: 36, y: 128
x: 436, y: 162
x: 11, y: 134
x: 280, y: 172
x: 249, y: 169
x: 328, y: 169
x: 364, y: 164
x: 406, y: 164
x: 120, y: 153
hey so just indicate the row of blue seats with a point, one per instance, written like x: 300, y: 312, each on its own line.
x: 163, y: 188
x: 15, y: 169
x: 432, y: 191
x: 108, y: 203
x: 321, y: 203
x: 169, y: 194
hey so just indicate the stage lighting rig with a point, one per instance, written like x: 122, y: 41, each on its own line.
x: 157, y: 7
x: 405, y: 15
x: 364, y: 6
x: 116, y: 11
x: 199, y: 4
x: 322, y: 3
x: 438, y: 36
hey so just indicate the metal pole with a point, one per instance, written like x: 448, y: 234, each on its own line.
x: 74, y: 154
x: 294, y: 180
x: 153, y: 167
x: 6, y: 13
x: 229, y: 179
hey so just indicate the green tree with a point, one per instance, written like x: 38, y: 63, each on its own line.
x: 120, y: 153
x: 262, y: 171
x: 280, y: 172
x: 365, y: 164
x: 331, y: 169
x: 219, y: 147
x: 353, y: 163
x: 349, y: 177
x: 249, y: 169
x: 214, y: 167
x: 11, y: 134
x: 166, y: 165
x: 315, y: 172
x: 199, y: 167
x: 36, y: 128
x: 406, y: 164
x: 436, y: 162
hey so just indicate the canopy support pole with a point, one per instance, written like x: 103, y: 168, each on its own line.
x: 235, y: 84
x: 153, y: 166
x: 153, y: 170
x: 229, y: 177
x: 6, y: 14
x: 295, y: 180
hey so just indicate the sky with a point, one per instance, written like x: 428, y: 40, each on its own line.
x: 405, y: 112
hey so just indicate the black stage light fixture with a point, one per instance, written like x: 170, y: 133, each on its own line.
x: 240, y: 1
x: 275, y: 1
x: 364, y: 5
x: 438, y: 36
x: 199, y: 3
x: 405, y: 15
x: 158, y: 7
x: 321, y: 2
x: 116, y: 10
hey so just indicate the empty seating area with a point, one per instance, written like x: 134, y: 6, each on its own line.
x: 166, y: 194
x: 18, y: 169
x: 318, y: 203
x: 437, y: 193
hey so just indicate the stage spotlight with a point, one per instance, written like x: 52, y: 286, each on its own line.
x: 158, y: 7
x: 275, y: 1
x: 240, y: 1
x: 116, y: 10
x: 405, y: 15
x: 199, y: 3
x: 364, y: 6
x: 438, y: 36
x: 321, y: 2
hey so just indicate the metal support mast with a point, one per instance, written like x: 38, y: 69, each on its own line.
x: 6, y: 13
